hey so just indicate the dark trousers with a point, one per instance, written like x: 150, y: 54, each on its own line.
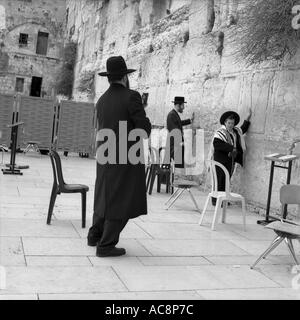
x: 177, y: 155
x: 222, y: 179
x: 108, y: 231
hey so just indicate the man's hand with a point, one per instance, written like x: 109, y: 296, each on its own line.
x: 192, y: 117
x: 293, y: 145
x: 296, y: 140
x: 233, y: 153
x: 249, y: 114
x: 145, y: 99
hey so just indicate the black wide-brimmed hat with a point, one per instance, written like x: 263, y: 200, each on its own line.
x: 179, y: 100
x: 116, y: 66
x: 227, y: 114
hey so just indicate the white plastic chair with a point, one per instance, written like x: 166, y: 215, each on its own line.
x: 222, y: 196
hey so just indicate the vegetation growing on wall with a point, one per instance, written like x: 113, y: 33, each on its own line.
x: 86, y: 82
x: 265, y: 31
x: 65, y: 77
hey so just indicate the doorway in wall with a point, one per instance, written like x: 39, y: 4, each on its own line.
x: 19, y: 85
x: 36, y: 86
x: 42, y: 43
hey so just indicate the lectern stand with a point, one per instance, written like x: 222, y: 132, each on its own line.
x: 281, y: 159
x: 12, y: 165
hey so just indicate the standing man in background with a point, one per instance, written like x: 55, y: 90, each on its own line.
x: 120, y: 189
x: 174, y: 122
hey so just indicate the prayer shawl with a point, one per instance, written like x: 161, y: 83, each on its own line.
x: 224, y: 135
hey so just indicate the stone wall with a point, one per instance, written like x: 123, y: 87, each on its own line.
x: 30, y: 17
x: 186, y: 48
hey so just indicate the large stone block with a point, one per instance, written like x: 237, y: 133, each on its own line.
x: 201, y: 17
x: 156, y: 109
x: 256, y: 95
x: 231, y: 62
x: 226, y: 13
x: 255, y: 176
x: 232, y: 92
x: 145, y: 11
x: 283, y: 120
x: 197, y: 59
x: 176, y: 4
x: 154, y: 69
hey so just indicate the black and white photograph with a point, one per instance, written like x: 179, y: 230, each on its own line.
x: 150, y: 153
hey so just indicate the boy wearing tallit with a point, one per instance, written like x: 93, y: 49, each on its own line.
x: 228, y: 146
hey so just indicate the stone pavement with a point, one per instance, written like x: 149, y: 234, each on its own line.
x: 169, y: 256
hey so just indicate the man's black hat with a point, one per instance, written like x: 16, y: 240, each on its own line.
x: 116, y: 66
x: 227, y: 114
x: 179, y: 100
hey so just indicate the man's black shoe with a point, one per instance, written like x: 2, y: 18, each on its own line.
x: 92, y: 242
x: 114, y: 252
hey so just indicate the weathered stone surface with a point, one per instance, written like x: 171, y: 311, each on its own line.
x: 61, y: 280
x: 11, y: 251
x: 190, y: 50
x: 285, y: 111
x: 200, y: 17
x: 251, y: 294
x: 204, y: 277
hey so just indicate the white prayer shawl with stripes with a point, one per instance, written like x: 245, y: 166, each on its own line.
x: 224, y: 135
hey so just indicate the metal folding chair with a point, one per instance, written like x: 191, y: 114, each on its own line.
x: 32, y: 146
x: 286, y: 230
x: 180, y: 186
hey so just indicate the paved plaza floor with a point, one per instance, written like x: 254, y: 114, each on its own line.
x: 169, y: 256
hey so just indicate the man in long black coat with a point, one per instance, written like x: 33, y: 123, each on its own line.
x: 120, y: 190
x: 174, y: 122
